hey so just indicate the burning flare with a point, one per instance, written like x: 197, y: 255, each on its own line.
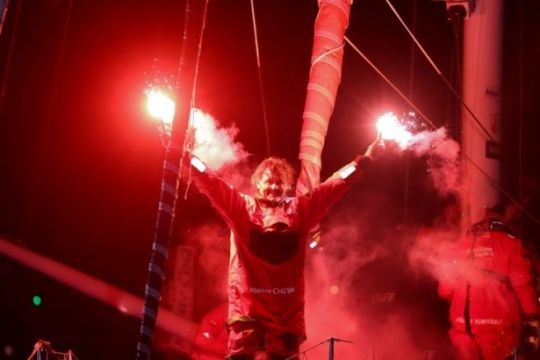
x: 391, y: 128
x: 214, y: 145
x: 441, y: 150
x: 160, y: 106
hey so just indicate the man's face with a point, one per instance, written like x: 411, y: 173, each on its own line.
x: 271, y: 187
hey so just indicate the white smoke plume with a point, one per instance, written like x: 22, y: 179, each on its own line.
x: 214, y: 145
x: 442, y: 158
x: 441, y: 150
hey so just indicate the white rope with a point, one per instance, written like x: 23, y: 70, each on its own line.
x: 259, y: 74
x: 491, y: 181
x: 389, y: 82
x: 439, y: 72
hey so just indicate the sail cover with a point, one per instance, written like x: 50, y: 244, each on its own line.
x: 325, y: 75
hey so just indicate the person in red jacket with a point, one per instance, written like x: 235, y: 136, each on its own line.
x: 491, y: 291
x: 269, y: 232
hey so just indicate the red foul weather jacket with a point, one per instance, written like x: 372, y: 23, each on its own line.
x: 268, y: 247
x: 491, y: 286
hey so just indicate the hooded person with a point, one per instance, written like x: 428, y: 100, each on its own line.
x: 491, y: 291
x: 269, y: 232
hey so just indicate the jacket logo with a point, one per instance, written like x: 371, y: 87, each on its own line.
x: 274, y: 291
x: 482, y: 252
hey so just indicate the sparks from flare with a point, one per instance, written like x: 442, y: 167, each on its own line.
x: 214, y: 145
x: 411, y: 134
x: 391, y: 128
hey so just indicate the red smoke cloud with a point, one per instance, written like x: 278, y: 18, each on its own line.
x: 371, y: 307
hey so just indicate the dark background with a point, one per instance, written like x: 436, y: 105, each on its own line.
x: 80, y: 160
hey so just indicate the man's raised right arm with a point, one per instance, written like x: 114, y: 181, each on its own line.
x: 227, y: 200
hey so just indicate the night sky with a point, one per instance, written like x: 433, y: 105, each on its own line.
x: 80, y: 159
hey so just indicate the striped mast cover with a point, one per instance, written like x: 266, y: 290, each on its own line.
x: 325, y: 75
x: 195, y: 17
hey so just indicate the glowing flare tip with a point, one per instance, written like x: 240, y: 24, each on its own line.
x: 390, y: 128
x: 160, y: 105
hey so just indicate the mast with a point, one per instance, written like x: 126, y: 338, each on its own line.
x: 325, y: 76
x: 195, y: 15
x: 482, y: 91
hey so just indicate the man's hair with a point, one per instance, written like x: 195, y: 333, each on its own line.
x: 279, y: 166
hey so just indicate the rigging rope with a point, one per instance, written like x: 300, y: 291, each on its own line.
x: 469, y: 111
x: 439, y: 72
x: 393, y: 86
x: 259, y: 74
x: 521, y: 52
x: 453, y: 110
x: 412, y: 63
x: 451, y: 88
x: 389, y: 82
x: 189, y: 139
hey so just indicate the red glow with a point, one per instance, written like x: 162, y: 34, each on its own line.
x: 98, y: 289
x: 122, y: 308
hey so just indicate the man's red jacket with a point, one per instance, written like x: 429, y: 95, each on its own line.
x: 268, y: 248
